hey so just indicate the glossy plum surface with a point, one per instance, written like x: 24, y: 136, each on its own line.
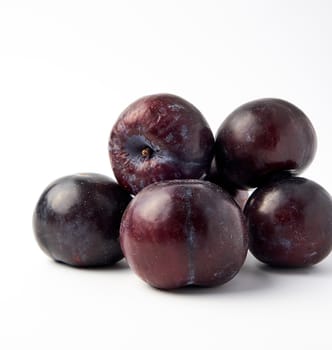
x: 77, y: 219
x: 263, y: 137
x: 240, y: 196
x: 159, y: 137
x: 184, y: 232
x: 290, y: 223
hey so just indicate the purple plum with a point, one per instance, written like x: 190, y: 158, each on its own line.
x: 261, y: 138
x: 240, y: 196
x: 77, y: 219
x: 184, y: 232
x: 159, y: 137
x: 290, y: 222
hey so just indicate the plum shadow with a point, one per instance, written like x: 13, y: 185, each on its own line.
x: 314, y: 270
x: 121, y: 265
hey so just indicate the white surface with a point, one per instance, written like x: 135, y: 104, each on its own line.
x: 67, y: 69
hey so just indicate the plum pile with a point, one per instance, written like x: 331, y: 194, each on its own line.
x: 179, y: 212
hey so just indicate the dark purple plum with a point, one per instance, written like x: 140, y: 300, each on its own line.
x: 240, y: 196
x: 184, y: 232
x: 77, y: 220
x: 261, y: 138
x: 159, y: 137
x: 290, y: 223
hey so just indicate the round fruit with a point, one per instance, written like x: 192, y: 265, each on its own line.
x: 77, y: 219
x: 159, y: 137
x: 184, y: 232
x: 263, y: 137
x: 290, y: 223
x: 240, y: 196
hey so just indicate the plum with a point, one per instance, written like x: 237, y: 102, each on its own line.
x: 240, y: 196
x: 159, y: 137
x: 290, y: 222
x: 77, y: 218
x: 184, y: 232
x: 261, y: 138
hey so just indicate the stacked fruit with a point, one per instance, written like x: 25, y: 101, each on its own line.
x: 185, y: 224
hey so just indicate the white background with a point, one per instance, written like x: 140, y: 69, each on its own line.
x: 67, y: 69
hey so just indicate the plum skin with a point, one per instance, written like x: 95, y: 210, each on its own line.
x: 77, y: 219
x: 290, y: 223
x: 263, y: 137
x: 184, y: 232
x: 159, y: 137
x: 240, y: 196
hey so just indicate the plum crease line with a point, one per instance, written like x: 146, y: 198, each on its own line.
x: 189, y: 236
